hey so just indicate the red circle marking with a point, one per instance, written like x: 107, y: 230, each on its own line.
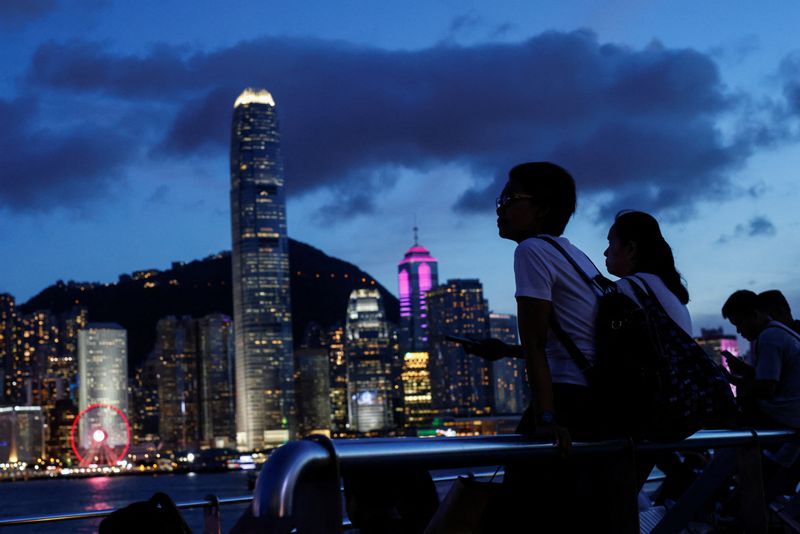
x: 90, y: 407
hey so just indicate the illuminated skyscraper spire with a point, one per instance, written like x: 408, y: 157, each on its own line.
x: 417, y: 273
x: 262, y: 314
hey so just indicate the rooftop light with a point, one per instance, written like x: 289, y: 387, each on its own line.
x: 254, y: 96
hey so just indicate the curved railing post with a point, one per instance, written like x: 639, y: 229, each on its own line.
x: 298, y: 488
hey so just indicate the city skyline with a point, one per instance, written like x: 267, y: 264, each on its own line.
x: 114, y: 154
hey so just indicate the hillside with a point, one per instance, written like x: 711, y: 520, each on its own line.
x: 320, y: 288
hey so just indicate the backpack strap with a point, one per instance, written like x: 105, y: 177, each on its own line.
x: 595, y: 283
x: 575, y: 353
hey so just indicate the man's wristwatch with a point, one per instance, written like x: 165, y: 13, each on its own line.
x: 546, y: 418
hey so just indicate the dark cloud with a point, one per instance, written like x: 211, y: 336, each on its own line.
x: 45, y: 169
x: 756, y: 227
x: 17, y: 12
x: 639, y: 124
x: 790, y: 73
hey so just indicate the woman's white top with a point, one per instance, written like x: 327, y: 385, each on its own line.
x: 674, y: 308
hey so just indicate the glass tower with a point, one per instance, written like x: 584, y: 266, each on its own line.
x: 103, y: 375
x: 261, y: 307
x: 417, y: 273
x: 368, y: 352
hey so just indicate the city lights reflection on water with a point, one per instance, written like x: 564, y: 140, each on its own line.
x: 69, y: 495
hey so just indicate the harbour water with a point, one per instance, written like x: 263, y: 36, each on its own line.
x: 63, y: 495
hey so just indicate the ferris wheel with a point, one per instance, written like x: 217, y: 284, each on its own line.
x: 100, y: 435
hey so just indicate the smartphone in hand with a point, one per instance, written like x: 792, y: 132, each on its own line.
x: 737, y: 365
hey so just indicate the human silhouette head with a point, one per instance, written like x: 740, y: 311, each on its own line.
x: 743, y: 310
x: 774, y: 304
x: 539, y: 198
x: 636, y: 245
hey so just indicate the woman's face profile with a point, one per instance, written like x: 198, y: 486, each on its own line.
x: 619, y: 255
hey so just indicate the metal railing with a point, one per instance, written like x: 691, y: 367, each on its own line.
x: 311, y: 471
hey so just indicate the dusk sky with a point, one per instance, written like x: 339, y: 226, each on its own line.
x: 115, y: 126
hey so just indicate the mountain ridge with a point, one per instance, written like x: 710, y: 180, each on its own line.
x: 320, y: 288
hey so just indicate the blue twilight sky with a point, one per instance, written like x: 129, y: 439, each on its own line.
x: 115, y: 117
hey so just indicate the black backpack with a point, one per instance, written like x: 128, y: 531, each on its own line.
x: 652, y: 380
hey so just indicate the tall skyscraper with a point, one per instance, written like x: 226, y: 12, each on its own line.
x: 461, y: 383
x: 178, y: 395
x: 368, y: 352
x: 313, y: 391
x: 261, y: 308
x: 511, y: 393
x: 103, y: 375
x: 8, y: 352
x: 217, y: 417
x: 417, y: 273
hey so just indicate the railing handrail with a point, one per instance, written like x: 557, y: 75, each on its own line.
x: 285, y: 468
x: 278, y: 479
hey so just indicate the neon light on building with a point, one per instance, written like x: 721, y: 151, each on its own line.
x: 417, y: 273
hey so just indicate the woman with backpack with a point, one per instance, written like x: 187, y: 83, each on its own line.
x: 638, y: 253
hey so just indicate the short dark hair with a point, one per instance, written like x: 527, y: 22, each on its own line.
x: 551, y: 186
x: 740, y: 302
x: 773, y: 300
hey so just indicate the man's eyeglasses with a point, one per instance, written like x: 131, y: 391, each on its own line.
x: 503, y: 200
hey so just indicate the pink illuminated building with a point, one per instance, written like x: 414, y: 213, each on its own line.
x: 715, y: 343
x: 417, y: 273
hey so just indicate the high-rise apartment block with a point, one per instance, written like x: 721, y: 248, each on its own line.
x: 368, y: 352
x: 261, y: 303
x: 461, y: 382
x: 103, y: 371
x: 417, y: 273
x: 511, y: 393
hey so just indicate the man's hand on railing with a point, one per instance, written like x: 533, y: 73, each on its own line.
x: 490, y: 349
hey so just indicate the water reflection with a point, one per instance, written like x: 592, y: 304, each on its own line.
x: 97, y: 491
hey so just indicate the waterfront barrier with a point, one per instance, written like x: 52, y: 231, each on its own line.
x: 299, y: 488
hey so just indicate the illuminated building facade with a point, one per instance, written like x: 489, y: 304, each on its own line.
x: 103, y: 376
x: 461, y: 382
x: 416, y: 381
x: 338, y: 379
x: 313, y: 391
x: 714, y: 342
x: 260, y: 256
x: 144, y: 395
x: 417, y: 273
x: 21, y: 434
x: 8, y: 340
x: 178, y: 399
x: 217, y: 415
x: 368, y: 353
x: 510, y: 390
